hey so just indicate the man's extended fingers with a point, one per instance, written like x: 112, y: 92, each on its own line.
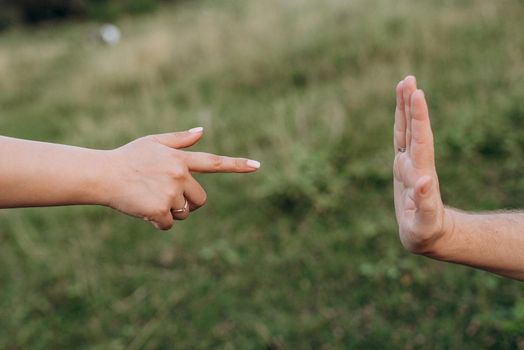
x: 400, y: 120
x: 422, y: 149
x: 408, y: 87
x: 210, y: 163
x: 180, y: 139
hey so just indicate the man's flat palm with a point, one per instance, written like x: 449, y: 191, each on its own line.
x: 418, y: 206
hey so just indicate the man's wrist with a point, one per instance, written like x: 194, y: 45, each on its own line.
x: 446, y: 244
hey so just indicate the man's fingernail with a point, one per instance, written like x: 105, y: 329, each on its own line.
x: 196, y: 130
x: 253, y: 164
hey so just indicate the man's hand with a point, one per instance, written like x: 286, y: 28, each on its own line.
x: 422, y: 218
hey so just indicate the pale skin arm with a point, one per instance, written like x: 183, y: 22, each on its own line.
x: 150, y: 178
x: 489, y: 241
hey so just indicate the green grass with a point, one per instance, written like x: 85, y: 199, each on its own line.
x: 305, y: 253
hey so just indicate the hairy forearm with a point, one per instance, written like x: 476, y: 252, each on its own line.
x: 44, y: 174
x: 490, y: 241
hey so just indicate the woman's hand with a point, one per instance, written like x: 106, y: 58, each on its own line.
x: 423, y: 220
x: 152, y: 177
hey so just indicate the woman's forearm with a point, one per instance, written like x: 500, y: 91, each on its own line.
x: 44, y: 174
x: 150, y: 177
x: 490, y: 241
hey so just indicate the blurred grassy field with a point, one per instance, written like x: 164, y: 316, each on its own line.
x: 305, y: 253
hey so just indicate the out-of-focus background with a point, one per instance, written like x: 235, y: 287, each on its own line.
x: 304, y: 254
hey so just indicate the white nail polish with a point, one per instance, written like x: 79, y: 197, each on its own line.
x: 253, y: 164
x: 196, y: 130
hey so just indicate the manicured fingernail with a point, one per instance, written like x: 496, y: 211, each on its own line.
x: 253, y: 164
x: 196, y: 130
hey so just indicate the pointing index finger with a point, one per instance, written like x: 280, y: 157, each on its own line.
x: 201, y: 162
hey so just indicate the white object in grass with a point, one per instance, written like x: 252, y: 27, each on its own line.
x: 110, y: 34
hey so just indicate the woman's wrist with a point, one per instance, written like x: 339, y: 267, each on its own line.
x: 99, y: 179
